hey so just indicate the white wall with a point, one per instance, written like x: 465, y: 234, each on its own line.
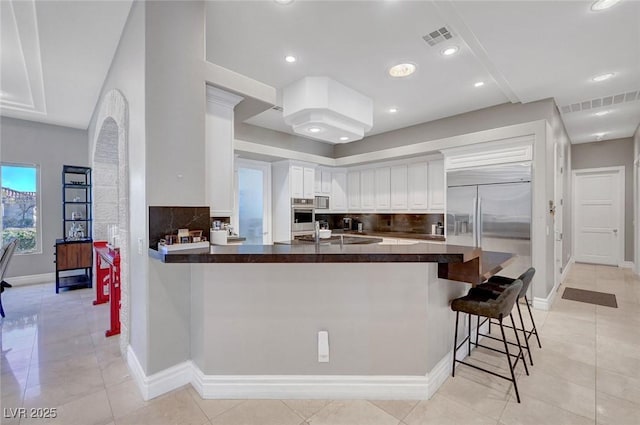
x: 127, y: 74
x: 636, y: 200
x: 175, y: 152
x: 50, y: 147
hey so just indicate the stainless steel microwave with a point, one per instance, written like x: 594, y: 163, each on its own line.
x: 322, y: 202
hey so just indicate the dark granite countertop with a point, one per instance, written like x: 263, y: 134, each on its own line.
x: 312, y: 253
x: 399, y: 235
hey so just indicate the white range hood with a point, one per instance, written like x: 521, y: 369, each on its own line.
x: 324, y: 109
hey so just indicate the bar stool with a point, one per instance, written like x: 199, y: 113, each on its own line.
x: 479, y: 304
x: 497, y: 284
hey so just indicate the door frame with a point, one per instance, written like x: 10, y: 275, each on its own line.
x: 558, y: 216
x: 265, y: 167
x: 621, y: 203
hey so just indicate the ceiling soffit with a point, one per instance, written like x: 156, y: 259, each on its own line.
x: 21, y: 80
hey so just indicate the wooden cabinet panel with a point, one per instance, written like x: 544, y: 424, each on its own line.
x: 73, y: 255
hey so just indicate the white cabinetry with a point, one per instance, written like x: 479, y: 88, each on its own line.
x: 302, y: 181
x: 399, y: 187
x: 296, y: 177
x: 417, y: 186
x: 436, y: 185
x: 308, y: 182
x: 322, y: 180
x: 353, y: 186
x: 367, y: 190
x: 338, y: 201
x: 383, y: 188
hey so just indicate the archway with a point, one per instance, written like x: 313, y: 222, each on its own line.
x: 111, y: 189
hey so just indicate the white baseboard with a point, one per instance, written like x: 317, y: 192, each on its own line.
x: 310, y: 387
x: 31, y: 279
x: 626, y: 264
x: 161, y: 382
x: 288, y: 386
x: 565, y: 271
x: 546, y: 303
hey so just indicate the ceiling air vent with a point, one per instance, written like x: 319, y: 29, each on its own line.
x: 601, y: 102
x: 438, y: 36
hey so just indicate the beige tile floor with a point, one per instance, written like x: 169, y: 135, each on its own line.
x: 54, y: 354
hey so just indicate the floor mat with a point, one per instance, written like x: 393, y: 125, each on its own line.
x: 591, y: 297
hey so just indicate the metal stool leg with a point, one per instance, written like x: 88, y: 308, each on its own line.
x: 533, y: 323
x: 520, y: 353
x: 506, y: 349
x: 455, y: 346
x: 524, y: 331
x: 1, y: 309
x: 470, y: 333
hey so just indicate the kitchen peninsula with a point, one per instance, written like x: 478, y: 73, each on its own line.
x: 256, y: 312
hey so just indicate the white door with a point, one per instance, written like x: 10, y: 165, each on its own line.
x: 252, y: 214
x: 368, y: 190
x: 308, y: 182
x: 353, y: 188
x: 598, y: 222
x: 399, y: 187
x: 417, y: 186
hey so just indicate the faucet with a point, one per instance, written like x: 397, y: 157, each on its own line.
x: 317, y: 232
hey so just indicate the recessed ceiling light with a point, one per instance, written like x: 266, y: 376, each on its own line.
x: 479, y: 84
x: 603, y: 77
x: 599, y: 5
x: 314, y: 129
x: 450, y: 50
x: 283, y: 1
x: 601, y: 113
x: 290, y: 59
x: 344, y: 138
x: 393, y: 110
x: 402, y: 70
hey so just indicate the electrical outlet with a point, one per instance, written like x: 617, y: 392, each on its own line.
x: 323, y: 347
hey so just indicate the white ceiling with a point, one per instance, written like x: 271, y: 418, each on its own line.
x: 55, y: 55
x: 523, y: 51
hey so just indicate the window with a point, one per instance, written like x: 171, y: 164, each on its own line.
x: 20, y: 215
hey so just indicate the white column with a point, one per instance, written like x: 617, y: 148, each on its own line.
x: 219, y: 151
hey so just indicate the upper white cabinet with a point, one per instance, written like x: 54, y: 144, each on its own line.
x: 353, y: 186
x: 308, y: 182
x: 296, y: 177
x: 399, y: 187
x: 417, y: 186
x: 322, y: 181
x: 302, y: 181
x: 367, y: 190
x: 383, y: 188
x: 338, y: 191
x: 436, y: 185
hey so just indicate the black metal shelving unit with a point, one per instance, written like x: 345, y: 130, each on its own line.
x: 74, y: 251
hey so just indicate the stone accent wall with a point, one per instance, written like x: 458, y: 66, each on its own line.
x: 111, y: 189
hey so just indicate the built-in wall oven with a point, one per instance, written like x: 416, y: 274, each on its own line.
x: 303, y: 216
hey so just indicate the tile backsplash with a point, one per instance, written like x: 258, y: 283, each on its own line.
x: 167, y: 220
x: 406, y: 223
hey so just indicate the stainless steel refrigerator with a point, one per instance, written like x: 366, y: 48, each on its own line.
x: 490, y: 207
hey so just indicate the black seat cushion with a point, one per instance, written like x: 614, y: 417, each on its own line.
x: 482, y: 303
x: 499, y: 283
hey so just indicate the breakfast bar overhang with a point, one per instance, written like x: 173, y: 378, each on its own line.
x: 256, y: 311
